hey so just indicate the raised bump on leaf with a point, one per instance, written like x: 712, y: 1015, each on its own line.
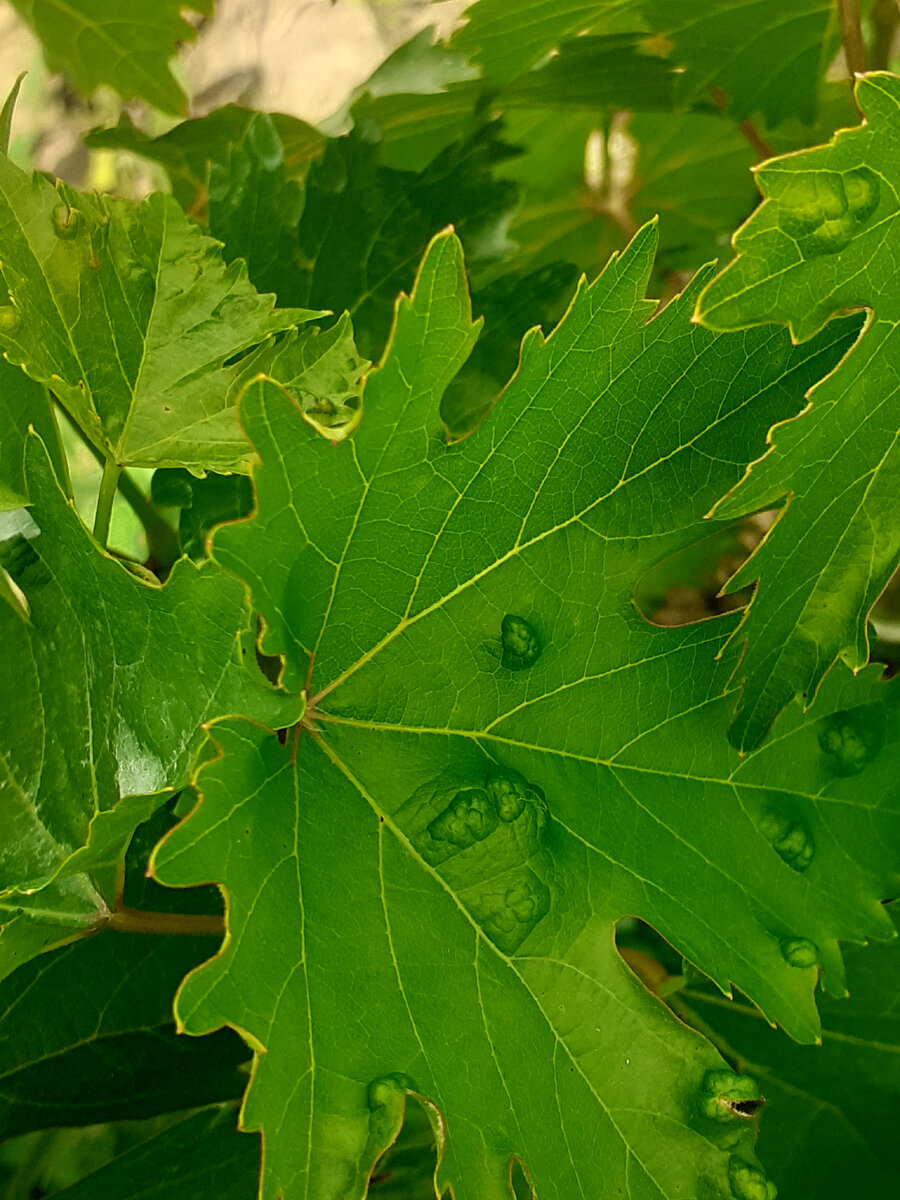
x: 790, y: 839
x: 470, y: 817
x: 749, y: 1182
x: 521, y: 643
x: 800, y: 952
x: 851, y: 739
x: 727, y: 1096
x: 10, y: 319
x: 825, y: 210
x: 496, y: 863
x: 66, y: 221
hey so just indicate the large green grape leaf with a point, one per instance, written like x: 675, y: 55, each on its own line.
x: 824, y: 240
x: 117, y: 42
x: 500, y: 759
x: 830, y: 1126
x: 94, y: 729
x: 764, y: 55
x: 130, y: 316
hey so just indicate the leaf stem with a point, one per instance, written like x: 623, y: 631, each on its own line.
x: 746, y: 129
x: 136, y: 920
x: 108, y: 486
x: 162, y: 540
x: 851, y: 36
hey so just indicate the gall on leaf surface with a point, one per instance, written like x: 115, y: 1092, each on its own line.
x: 130, y: 315
x: 825, y: 239
x: 423, y: 886
x: 125, y: 45
x: 830, y: 1125
x: 94, y: 734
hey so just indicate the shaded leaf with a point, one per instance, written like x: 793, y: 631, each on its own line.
x: 254, y: 210
x: 203, y: 1155
x: 822, y: 241
x: 187, y: 150
x: 113, y: 1052
x: 764, y: 55
x: 500, y: 758
x: 596, y: 72
x: 506, y: 37
x: 117, y: 42
x: 129, y: 314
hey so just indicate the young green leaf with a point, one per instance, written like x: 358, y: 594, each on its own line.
x: 501, y: 758
x: 116, y: 42
x: 131, y: 317
x: 822, y: 241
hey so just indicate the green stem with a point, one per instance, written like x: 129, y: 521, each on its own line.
x: 851, y: 36
x: 135, y: 920
x: 108, y: 485
x: 163, y: 547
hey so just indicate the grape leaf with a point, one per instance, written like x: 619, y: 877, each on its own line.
x: 822, y: 241
x: 254, y: 210
x: 763, y: 54
x: 830, y: 1125
x: 129, y: 314
x: 203, y: 1155
x: 187, y: 150
x: 95, y: 731
x: 500, y: 758
x: 116, y: 1055
x: 691, y: 169
x: 22, y: 403
x: 117, y: 42
x: 506, y: 37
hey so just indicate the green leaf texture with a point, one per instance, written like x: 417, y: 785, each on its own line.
x: 122, y: 44
x: 94, y: 731
x: 824, y: 240
x: 500, y: 759
x: 130, y: 316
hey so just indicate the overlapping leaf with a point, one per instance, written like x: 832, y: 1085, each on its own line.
x: 116, y: 1055
x: 92, y: 727
x: 763, y: 55
x: 117, y: 42
x: 130, y: 315
x: 501, y: 758
x: 830, y: 1125
x: 825, y: 239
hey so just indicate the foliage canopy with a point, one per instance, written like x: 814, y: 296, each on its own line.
x: 364, y: 785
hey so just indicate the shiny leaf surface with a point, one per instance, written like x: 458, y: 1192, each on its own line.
x: 500, y: 758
